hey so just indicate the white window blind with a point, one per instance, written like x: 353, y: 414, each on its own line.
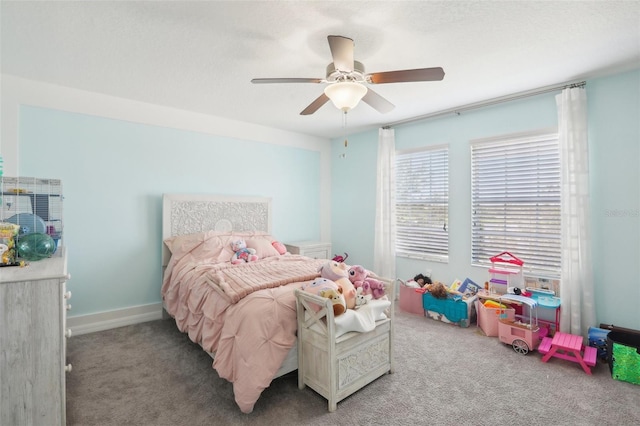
x: 422, y: 204
x: 516, y: 201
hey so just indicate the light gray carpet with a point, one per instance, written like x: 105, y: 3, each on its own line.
x: 151, y: 374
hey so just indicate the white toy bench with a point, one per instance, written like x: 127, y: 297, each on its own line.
x: 337, y: 366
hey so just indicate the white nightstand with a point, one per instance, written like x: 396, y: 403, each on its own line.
x: 315, y: 249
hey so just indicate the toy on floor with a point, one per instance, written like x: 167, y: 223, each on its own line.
x: 437, y: 290
x: 569, y: 347
x: 523, y: 336
x: 422, y: 280
x: 419, y: 281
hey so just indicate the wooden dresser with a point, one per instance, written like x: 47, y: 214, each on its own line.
x: 33, y: 305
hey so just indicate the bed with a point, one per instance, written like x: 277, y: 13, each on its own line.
x: 249, y: 328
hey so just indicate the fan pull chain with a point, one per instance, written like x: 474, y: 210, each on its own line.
x: 344, y: 128
x: 344, y: 132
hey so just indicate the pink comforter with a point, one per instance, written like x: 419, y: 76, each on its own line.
x: 245, y: 313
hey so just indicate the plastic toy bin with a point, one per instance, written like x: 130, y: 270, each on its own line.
x: 623, y: 352
x: 411, y: 300
x: 488, y: 318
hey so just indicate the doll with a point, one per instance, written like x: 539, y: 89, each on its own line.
x: 422, y: 280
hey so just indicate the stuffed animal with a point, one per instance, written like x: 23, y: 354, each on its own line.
x: 338, y: 273
x: 361, y: 278
x: 361, y: 298
x: 327, y: 288
x: 337, y: 299
x: 373, y: 287
x: 242, y: 254
x: 357, y: 274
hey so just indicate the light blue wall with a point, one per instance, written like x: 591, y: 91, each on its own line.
x: 114, y: 174
x: 614, y: 140
x: 353, y: 197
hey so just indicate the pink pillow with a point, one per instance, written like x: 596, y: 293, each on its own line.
x: 263, y: 246
x: 280, y: 248
x: 203, y: 247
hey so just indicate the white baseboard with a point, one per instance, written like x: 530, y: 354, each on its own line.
x: 113, y: 319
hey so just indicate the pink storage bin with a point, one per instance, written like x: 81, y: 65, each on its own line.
x: 488, y: 318
x: 410, y: 299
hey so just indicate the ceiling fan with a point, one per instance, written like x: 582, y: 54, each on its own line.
x: 347, y: 80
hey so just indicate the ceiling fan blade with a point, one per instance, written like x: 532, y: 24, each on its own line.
x: 342, y: 52
x: 420, y: 74
x: 286, y: 80
x: 315, y: 105
x: 377, y: 102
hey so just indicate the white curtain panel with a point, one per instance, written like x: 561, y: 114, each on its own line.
x: 576, y: 280
x: 384, y: 257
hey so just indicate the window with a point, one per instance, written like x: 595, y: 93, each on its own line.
x: 422, y: 204
x: 515, y: 191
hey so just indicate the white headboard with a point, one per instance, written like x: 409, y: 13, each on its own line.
x: 190, y: 213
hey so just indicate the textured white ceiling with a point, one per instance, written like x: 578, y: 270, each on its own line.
x: 201, y: 55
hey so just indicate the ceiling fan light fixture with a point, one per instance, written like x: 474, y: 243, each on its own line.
x: 345, y: 95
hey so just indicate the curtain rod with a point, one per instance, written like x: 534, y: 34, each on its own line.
x: 489, y: 102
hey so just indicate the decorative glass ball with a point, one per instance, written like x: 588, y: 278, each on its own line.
x: 35, y: 246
